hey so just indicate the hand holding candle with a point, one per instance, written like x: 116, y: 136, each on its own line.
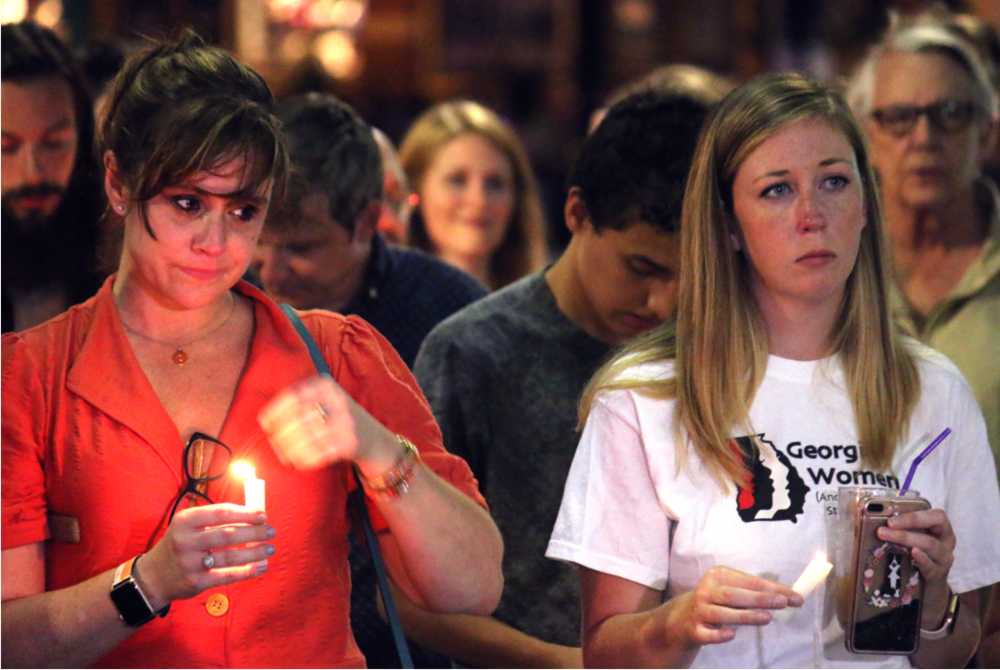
x: 253, y: 488
x: 814, y: 575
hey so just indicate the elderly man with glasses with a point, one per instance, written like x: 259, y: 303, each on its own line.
x: 924, y: 96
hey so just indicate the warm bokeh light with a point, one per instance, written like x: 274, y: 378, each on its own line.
x: 12, y: 11
x: 284, y: 10
x: 336, y: 52
x: 343, y: 14
x: 49, y: 13
x: 319, y: 14
x: 243, y: 470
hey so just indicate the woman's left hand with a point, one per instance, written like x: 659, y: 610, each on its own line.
x: 930, y: 537
x: 315, y: 423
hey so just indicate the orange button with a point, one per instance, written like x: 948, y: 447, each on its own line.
x: 217, y: 605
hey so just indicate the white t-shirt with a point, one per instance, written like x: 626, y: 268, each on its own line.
x: 627, y: 510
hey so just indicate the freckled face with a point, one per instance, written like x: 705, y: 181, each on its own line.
x: 799, y: 203
x: 205, y: 237
x: 467, y: 198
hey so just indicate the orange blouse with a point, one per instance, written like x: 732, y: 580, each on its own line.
x: 84, y: 436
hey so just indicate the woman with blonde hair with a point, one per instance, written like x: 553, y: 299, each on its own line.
x: 713, y: 447
x: 478, y: 203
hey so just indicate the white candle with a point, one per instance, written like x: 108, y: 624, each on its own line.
x: 814, y: 575
x: 253, y: 488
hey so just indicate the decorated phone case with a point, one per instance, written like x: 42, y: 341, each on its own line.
x: 888, y: 588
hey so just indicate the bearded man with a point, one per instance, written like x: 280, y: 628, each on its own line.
x: 51, y: 185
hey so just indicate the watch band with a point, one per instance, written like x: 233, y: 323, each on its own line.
x: 948, y: 625
x: 133, y: 606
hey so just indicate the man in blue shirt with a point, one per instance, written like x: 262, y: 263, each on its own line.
x: 322, y: 250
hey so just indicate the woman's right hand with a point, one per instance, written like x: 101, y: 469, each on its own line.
x: 623, y: 619
x: 174, y: 568
x: 723, y: 599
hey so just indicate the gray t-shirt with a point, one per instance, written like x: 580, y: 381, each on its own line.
x: 503, y: 377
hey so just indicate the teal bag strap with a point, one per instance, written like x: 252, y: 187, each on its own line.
x: 357, y: 499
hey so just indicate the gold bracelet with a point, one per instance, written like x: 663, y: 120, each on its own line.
x: 396, y: 481
x: 948, y: 625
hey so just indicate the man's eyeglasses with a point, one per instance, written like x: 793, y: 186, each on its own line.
x: 202, y: 465
x: 949, y: 116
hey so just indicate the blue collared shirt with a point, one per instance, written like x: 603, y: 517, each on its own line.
x: 407, y: 292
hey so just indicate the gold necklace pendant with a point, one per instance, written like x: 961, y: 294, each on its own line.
x: 180, y: 357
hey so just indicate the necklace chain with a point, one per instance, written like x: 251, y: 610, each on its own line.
x: 180, y: 357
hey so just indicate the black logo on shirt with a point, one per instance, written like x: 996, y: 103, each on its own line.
x: 776, y: 491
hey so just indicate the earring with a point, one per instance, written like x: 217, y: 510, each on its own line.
x: 120, y: 208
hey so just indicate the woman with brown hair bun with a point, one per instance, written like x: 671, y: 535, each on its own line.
x: 479, y: 206
x: 126, y: 537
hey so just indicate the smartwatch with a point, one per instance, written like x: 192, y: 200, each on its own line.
x: 133, y: 607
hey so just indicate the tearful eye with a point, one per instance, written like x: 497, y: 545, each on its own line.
x: 775, y: 191
x: 838, y: 182
x: 246, y: 213
x: 187, y: 203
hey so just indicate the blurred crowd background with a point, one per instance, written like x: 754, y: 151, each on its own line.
x: 544, y: 65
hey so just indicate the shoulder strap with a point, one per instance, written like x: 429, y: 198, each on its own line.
x: 357, y: 498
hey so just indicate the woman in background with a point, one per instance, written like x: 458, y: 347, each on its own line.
x: 689, y: 507
x: 478, y: 205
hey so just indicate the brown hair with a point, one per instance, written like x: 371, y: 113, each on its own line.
x: 184, y: 107
x: 523, y: 248
x: 720, y: 349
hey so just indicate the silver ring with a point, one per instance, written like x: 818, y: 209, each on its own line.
x: 208, y: 561
x: 321, y: 412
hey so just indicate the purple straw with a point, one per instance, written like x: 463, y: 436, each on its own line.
x: 916, y: 461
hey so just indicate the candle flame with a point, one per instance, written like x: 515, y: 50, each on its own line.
x: 821, y: 556
x: 243, y: 470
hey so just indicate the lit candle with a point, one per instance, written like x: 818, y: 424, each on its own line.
x: 253, y: 488
x: 814, y: 575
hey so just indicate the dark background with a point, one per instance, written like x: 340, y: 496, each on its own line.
x: 543, y: 64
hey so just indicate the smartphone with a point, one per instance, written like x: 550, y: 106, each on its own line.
x: 888, y: 589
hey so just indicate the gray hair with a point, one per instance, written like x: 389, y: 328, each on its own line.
x: 921, y: 38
